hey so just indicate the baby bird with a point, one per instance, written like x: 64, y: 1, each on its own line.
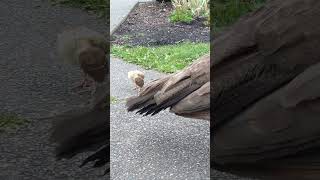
x: 88, y: 49
x: 137, y: 77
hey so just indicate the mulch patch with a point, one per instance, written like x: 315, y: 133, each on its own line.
x: 148, y: 25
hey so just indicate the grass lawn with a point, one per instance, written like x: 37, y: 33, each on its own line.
x: 226, y: 12
x: 167, y: 59
x: 10, y: 121
x: 98, y: 6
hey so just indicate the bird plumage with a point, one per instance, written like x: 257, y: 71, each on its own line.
x: 93, y: 62
x: 137, y: 77
x: 84, y: 129
x: 87, y: 49
x: 71, y: 40
x: 179, y: 91
x: 264, y: 99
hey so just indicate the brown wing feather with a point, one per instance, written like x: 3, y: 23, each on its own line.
x: 196, y: 104
x: 146, y: 96
x: 170, y: 90
x: 254, y: 135
x: 261, y: 53
x: 84, y: 129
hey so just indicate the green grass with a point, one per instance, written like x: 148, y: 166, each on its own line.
x: 226, y: 12
x: 97, y: 6
x: 167, y: 59
x: 181, y: 16
x: 10, y: 121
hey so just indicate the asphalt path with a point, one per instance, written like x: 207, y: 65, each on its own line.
x: 163, y: 146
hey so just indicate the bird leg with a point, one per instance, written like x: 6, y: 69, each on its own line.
x: 93, y: 91
x: 91, y: 88
x: 86, y: 85
x: 136, y: 88
x: 83, y: 83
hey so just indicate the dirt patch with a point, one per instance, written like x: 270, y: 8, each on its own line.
x: 148, y: 25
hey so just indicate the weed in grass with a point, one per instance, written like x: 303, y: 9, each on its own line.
x: 113, y: 100
x: 167, y: 59
x: 10, y: 121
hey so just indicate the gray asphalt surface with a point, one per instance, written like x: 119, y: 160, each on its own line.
x: 164, y: 146
x: 34, y: 84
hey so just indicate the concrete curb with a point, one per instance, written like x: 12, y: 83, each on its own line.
x: 126, y: 16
